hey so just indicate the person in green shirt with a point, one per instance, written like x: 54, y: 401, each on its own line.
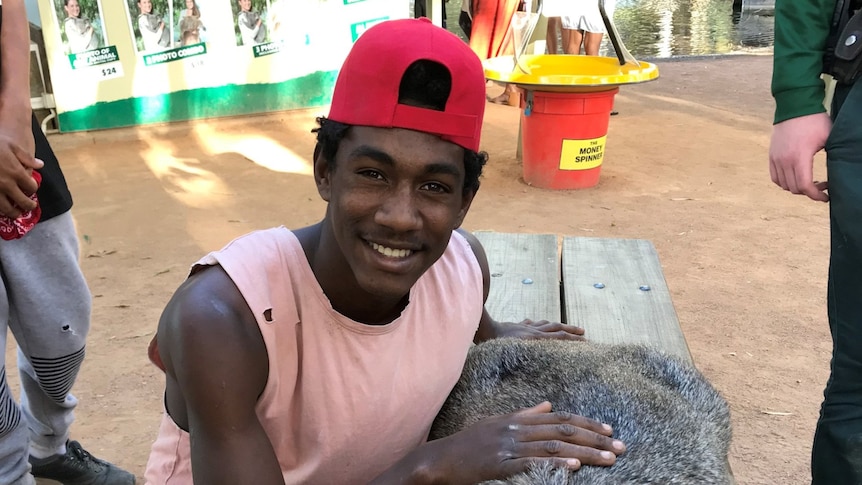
x: 802, y: 128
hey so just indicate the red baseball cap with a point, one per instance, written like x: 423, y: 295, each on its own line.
x: 366, y: 92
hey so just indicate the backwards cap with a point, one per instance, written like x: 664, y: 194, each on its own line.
x: 366, y: 92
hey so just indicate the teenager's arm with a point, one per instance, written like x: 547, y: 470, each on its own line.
x: 216, y: 365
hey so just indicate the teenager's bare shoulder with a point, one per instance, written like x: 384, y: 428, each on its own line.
x: 213, y: 353
x: 208, y: 315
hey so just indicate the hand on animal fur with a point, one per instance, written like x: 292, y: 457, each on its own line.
x: 675, y: 426
x: 509, y: 444
x: 540, y: 329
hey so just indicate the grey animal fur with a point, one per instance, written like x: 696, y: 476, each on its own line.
x: 675, y: 425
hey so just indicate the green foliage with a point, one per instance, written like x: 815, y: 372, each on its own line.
x: 179, y: 6
x: 160, y: 8
x: 259, y: 6
x: 89, y: 10
x: 133, y: 14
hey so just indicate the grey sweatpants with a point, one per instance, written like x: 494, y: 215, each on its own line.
x: 45, y: 301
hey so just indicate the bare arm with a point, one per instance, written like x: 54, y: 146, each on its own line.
x: 17, y: 147
x: 15, y: 73
x: 216, y: 365
x: 490, y: 328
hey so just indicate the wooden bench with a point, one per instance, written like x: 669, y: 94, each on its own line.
x: 613, y: 288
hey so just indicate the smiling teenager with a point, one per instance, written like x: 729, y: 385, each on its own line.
x: 323, y: 354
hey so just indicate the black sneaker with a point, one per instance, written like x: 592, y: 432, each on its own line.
x: 78, y: 467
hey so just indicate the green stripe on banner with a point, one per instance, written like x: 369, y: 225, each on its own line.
x: 304, y: 92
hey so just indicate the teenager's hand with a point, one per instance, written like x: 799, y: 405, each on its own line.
x: 538, y: 329
x: 502, y: 446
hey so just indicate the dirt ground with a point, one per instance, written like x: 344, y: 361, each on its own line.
x: 685, y: 167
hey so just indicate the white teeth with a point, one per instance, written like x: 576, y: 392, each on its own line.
x: 392, y: 253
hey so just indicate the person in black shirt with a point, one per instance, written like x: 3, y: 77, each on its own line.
x: 44, y: 298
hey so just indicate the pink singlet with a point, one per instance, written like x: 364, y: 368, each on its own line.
x: 343, y: 401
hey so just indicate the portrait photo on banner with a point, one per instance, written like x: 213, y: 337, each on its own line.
x: 150, y: 24
x: 189, y: 22
x: 250, y: 21
x: 81, y: 25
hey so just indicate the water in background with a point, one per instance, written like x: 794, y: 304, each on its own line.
x: 671, y: 28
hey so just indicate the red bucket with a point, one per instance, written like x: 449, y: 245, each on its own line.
x: 563, y: 137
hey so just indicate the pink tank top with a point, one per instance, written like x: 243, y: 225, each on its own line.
x: 343, y: 401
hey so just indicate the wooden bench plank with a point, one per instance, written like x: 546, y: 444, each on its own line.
x: 514, y: 259
x: 621, y: 311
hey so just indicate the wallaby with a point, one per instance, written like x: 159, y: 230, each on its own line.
x: 675, y: 425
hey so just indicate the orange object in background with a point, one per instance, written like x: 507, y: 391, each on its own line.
x: 564, y: 137
x: 492, y: 21
x: 565, y: 112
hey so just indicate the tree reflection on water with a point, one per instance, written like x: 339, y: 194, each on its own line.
x: 668, y: 28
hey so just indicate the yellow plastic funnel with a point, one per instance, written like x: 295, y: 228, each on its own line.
x: 568, y: 73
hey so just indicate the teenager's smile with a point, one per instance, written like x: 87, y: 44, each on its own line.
x: 394, y: 257
x: 391, y: 252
